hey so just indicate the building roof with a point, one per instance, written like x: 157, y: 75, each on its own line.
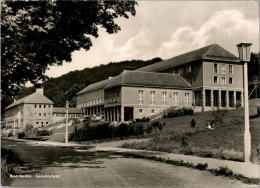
x: 62, y: 110
x: 148, y: 79
x: 211, y: 52
x: 95, y: 86
x: 34, y: 98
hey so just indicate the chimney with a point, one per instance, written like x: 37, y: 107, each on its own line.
x: 39, y: 90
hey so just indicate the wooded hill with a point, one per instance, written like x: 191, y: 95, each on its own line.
x: 66, y: 86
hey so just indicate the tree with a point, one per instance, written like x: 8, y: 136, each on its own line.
x: 38, y: 34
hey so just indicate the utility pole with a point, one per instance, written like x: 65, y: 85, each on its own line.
x: 67, y: 121
x: 14, y: 127
x: 244, y: 57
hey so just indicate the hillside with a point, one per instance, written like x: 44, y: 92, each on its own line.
x: 66, y: 86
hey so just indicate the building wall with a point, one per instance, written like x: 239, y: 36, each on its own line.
x: 208, y: 75
x: 92, y: 98
x: 37, y: 115
x: 30, y: 115
x: 192, y: 72
x: 130, y: 98
x: 11, y: 114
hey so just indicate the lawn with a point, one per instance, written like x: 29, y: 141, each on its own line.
x: 225, y: 141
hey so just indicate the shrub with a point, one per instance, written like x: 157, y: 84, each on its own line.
x: 105, y: 130
x: 193, y: 123
x: 144, y: 119
x: 29, y: 130
x: 21, y: 135
x: 217, y: 116
x: 43, y: 132
x: 223, y: 171
x: 173, y: 112
x: 201, y: 166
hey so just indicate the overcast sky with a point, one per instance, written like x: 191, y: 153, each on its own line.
x: 169, y: 28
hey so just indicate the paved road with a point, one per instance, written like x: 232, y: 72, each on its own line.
x: 83, y: 168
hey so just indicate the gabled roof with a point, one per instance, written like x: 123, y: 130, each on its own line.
x: 148, y: 79
x: 95, y: 86
x: 211, y: 52
x: 34, y: 98
x: 62, y: 110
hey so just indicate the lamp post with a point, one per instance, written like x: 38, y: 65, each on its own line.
x: 244, y: 57
x: 67, y: 121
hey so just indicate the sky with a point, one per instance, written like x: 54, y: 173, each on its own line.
x: 169, y: 28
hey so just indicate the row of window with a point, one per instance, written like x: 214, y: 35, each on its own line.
x: 70, y: 115
x: 164, y: 97
x: 223, y: 69
x: 42, y: 105
x: 223, y: 80
x: 183, y: 70
x: 141, y: 111
x: 44, y: 114
x: 95, y: 101
x: 42, y: 123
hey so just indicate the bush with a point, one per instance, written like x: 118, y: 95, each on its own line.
x: 43, y: 132
x: 217, y: 116
x: 223, y: 171
x: 29, y: 130
x: 171, y: 113
x: 106, y: 130
x: 21, y: 135
x: 144, y: 119
x: 193, y: 123
x: 201, y: 166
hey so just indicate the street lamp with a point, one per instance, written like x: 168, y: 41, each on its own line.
x: 67, y: 121
x: 244, y: 57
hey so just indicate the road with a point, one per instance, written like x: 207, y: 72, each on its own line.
x: 78, y: 167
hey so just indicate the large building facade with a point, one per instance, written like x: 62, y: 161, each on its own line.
x: 34, y: 109
x: 214, y: 76
x: 214, y: 73
x: 135, y: 94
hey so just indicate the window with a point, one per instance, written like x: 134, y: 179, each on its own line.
x: 44, y: 114
x: 181, y: 70
x: 42, y: 123
x: 164, y: 97
x: 215, y: 68
x: 187, y: 99
x: 44, y: 106
x: 230, y: 80
x: 140, y: 111
x: 223, y: 80
x: 152, y: 97
x: 175, y: 98
x: 215, y: 79
x: 189, y: 68
x: 152, y: 111
x: 40, y: 106
x: 141, y: 96
x: 223, y: 69
x: 35, y: 106
x: 230, y: 69
x: 49, y: 106
x: 40, y: 114
x: 37, y: 122
x: 47, y: 123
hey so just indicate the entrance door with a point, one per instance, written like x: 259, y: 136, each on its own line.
x: 129, y: 113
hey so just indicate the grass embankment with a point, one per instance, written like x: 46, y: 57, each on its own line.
x: 225, y: 141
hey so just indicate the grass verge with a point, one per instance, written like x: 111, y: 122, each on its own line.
x: 222, y: 171
x: 224, y: 142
